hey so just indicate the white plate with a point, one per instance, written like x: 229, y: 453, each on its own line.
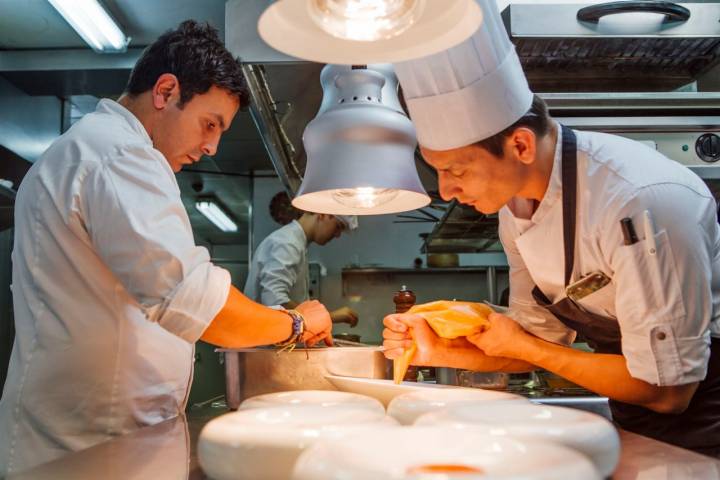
x: 397, y: 453
x: 265, y: 442
x: 321, y: 398
x: 583, y: 431
x: 406, y: 408
x: 383, y: 390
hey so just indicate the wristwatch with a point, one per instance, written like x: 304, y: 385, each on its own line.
x: 298, y: 328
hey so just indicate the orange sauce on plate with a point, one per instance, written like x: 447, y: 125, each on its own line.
x: 440, y: 468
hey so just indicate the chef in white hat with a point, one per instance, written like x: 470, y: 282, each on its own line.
x: 607, y: 240
x: 279, y: 272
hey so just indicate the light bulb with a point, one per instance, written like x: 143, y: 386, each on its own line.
x: 365, y: 20
x: 364, y: 197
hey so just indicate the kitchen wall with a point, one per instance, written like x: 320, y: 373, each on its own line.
x: 28, y: 124
x: 378, y: 242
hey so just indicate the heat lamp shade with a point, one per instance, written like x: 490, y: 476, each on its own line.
x: 360, y: 147
x: 288, y: 26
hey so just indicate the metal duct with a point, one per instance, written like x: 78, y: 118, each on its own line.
x: 561, y: 52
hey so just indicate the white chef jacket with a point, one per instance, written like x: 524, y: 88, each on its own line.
x: 109, y: 290
x: 667, y: 304
x: 279, y: 269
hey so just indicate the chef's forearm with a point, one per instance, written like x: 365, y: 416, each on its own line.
x: 605, y: 374
x: 244, y: 323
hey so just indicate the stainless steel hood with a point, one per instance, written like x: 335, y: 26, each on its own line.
x: 615, y: 46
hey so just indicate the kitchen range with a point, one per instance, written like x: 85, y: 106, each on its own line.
x: 360, y: 239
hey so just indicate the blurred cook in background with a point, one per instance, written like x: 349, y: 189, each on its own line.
x: 279, y: 272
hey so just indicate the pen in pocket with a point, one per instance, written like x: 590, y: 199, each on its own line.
x: 628, y: 230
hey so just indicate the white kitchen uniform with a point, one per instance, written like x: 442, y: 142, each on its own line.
x: 110, y: 293
x: 279, y: 269
x: 668, y: 304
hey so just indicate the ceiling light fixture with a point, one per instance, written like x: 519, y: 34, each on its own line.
x: 93, y: 24
x: 360, y: 147
x: 367, y: 31
x: 216, y: 215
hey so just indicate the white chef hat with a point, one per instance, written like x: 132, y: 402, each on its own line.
x: 469, y: 92
x: 349, y: 221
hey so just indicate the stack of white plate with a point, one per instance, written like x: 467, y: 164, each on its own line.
x: 265, y: 442
x: 321, y: 398
x: 440, y: 453
x: 582, y: 431
x: 383, y: 390
x: 406, y: 408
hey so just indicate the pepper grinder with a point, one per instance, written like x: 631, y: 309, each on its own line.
x: 404, y: 300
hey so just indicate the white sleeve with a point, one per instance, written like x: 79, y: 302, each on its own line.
x: 523, y: 308
x: 279, y: 272
x: 139, y: 227
x: 664, y: 299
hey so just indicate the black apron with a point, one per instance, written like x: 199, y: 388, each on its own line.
x: 698, y: 428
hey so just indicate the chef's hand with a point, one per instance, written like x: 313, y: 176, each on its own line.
x: 503, y: 338
x: 318, y: 325
x: 345, y: 315
x: 402, y: 329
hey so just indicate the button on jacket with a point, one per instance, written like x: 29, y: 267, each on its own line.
x: 110, y: 293
x: 667, y: 302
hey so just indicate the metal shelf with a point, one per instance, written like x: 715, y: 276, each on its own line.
x: 393, y: 270
x: 490, y: 273
x: 463, y: 230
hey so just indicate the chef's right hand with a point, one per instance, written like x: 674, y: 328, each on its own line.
x: 318, y: 325
x: 402, y: 329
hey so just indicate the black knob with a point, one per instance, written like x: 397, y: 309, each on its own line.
x: 707, y: 147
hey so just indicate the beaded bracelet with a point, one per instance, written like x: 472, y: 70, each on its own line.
x: 298, y: 328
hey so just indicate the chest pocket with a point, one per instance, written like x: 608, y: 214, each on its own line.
x: 653, y: 287
x: 600, y: 302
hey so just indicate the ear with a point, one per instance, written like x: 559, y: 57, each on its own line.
x: 166, y: 91
x: 522, y: 144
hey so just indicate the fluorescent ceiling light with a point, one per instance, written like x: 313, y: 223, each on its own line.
x: 216, y: 215
x: 93, y: 24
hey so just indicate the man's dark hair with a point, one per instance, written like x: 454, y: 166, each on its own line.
x: 281, y: 209
x: 536, y: 119
x: 196, y: 56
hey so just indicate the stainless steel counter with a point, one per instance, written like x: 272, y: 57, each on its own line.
x: 167, y: 451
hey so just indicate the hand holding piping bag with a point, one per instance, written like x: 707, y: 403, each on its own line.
x: 448, y: 319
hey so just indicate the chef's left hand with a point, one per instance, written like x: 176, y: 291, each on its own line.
x: 503, y: 338
x: 318, y: 325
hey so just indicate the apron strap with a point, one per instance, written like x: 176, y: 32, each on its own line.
x: 569, y: 195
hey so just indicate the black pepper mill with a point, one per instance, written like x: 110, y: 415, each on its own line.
x: 404, y: 300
